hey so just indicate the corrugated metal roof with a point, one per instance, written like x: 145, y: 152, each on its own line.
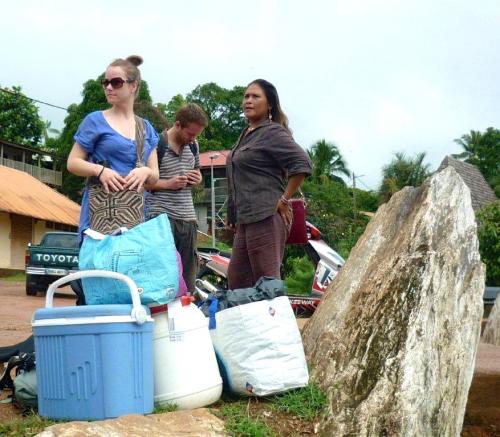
x: 220, y: 161
x: 21, y: 193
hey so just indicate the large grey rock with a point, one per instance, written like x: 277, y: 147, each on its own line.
x: 491, y: 332
x: 195, y: 423
x: 395, y: 339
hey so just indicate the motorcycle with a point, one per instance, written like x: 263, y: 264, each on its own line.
x: 212, y: 275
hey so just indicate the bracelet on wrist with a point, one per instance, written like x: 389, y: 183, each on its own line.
x: 100, y: 173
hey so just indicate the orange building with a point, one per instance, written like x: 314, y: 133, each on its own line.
x: 29, y: 208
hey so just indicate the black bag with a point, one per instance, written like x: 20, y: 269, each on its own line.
x: 265, y: 288
x: 26, y: 391
x: 24, y: 386
x: 110, y: 211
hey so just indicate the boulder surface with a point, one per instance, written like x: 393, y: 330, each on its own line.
x: 491, y: 332
x: 195, y: 423
x: 394, y: 341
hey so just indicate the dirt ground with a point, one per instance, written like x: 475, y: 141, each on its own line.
x: 482, y: 417
x: 16, y: 310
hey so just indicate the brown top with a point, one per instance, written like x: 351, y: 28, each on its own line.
x: 257, y: 169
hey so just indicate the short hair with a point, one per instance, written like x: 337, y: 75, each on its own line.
x: 191, y: 113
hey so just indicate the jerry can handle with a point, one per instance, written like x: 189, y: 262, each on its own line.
x: 138, y: 311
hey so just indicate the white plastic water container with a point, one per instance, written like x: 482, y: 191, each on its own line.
x: 185, y: 368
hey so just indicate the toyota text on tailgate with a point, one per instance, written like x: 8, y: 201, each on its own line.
x: 55, y: 256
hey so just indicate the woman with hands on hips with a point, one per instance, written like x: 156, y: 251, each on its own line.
x: 105, y: 141
x: 265, y: 168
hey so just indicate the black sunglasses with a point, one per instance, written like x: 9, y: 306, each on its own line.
x: 116, y: 82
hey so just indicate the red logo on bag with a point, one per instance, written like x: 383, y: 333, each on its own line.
x: 272, y: 311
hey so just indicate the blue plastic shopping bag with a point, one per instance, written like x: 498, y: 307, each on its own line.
x: 146, y: 253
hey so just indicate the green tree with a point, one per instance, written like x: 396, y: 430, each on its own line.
x: 489, y: 241
x: 301, y: 276
x: 152, y: 113
x: 172, y: 107
x: 330, y: 208
x: 366, y: 200
x: 327, y: 161
x: 225, y: 117
x: 48, y: 130
x: 402, y: 171
x: 482, y: 149
x: 223, y: 109
x: 19, y: 119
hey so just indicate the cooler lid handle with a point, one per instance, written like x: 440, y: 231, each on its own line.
x: 138, y: 311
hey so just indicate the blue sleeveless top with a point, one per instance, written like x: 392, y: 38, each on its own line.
x: 103, y: 143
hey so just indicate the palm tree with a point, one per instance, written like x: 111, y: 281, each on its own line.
x: 469, y: 142
x: 482, y: 149
x: 402, y: 171
x: 327, y: 160
x: 47, y: 130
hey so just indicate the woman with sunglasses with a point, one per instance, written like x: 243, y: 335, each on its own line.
x: 105, y: 141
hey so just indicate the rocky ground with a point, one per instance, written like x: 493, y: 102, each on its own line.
x: 483, y: 407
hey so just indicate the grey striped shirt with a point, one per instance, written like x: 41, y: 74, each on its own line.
x: 178, y: 204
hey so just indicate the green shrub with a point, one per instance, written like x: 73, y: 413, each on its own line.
x: 300, y: 277
x: 489, y: 241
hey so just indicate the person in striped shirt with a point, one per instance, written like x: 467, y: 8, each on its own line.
x: 179, y: 172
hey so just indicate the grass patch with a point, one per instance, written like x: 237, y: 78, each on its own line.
x: 168, y: 408
x: 223, y: 246
x: 218, y: 244
x: 306, y: 403
x: 239, y: 422
x: 290, y: 414
x: 25, y: 427
x: 14, y: 277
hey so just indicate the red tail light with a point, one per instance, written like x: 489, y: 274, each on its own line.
x: 26, y: 257
x: 313, y: 231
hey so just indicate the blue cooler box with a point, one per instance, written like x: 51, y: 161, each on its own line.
x: 93, y: 362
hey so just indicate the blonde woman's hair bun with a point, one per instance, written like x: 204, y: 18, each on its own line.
x: 135, y: 60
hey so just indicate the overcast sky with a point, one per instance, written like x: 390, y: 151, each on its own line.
x: 373, y: 76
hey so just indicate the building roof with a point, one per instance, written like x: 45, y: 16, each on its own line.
x: 481, y: 192
x: 220, y: 161
x: 21, y: 193
x: 30, y: 149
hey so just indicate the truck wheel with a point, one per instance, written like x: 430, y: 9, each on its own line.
x: 30, y: 291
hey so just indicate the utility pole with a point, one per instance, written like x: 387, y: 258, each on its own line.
x: 354, y: 210
x: 354, y: 195
x: 212, y: 189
